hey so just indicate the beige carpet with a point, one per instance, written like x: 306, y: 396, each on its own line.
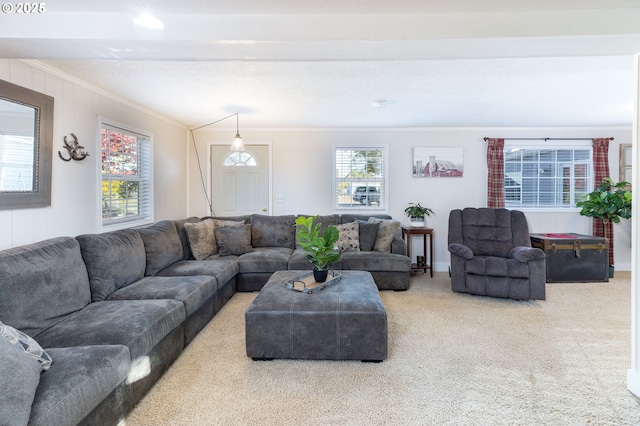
x: 454, y: 359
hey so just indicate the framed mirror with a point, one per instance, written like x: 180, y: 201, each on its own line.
x: 26, y: 143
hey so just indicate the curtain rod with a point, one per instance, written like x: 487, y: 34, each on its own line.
x: 548, y: 139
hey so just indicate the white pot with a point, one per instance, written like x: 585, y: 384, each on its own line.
x: 418, y: 221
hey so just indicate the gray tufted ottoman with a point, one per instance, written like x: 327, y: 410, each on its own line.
x: 346, y: 320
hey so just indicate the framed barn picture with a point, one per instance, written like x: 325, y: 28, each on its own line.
x: 439, y: 162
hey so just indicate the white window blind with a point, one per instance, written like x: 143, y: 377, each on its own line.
x: 360, y: 178
x: 548, y: 177
x: 126, y: 184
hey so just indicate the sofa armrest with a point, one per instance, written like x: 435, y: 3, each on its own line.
x: 398, y: 245
x: 526, y: 254
x: 460, y: 250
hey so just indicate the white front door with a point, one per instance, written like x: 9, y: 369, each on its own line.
x: 240, y: 180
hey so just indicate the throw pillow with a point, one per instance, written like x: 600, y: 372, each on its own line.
x: 20, y: 378
x: 202, y: 239
x: 27, y: 344
x: 234, y: 240
x: 368, y: 232
x: 386, y: 232
x: 349, y: 239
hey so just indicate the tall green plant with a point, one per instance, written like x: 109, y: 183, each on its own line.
x: 608, y: 202
x: 321, y: 249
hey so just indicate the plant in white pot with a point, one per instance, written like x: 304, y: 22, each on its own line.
x: 418, y: 214
x: 608, y: 202
x: 321, y: 249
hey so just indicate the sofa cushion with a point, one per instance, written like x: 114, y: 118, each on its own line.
x: 202, y: 239
x: 137, y: 324
x: 233, y: 240
x: 42, y: 283
x: 349, y: 237
x: 20, y: 377
x: 114, y: 260
x: 27, y: 344
x: 162, y: 246
x: 386, y: 233
x: 265, y: 259
x: 367, y: 233
x: 222, y: 269
x: 375, y: 261
x: 191, y: 291
x: 81, y: 378
x: 487, y: 232
x: 299, y: 261
x: 273, y: 231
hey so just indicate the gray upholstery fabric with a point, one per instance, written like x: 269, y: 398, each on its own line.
x: 20, y: 377
x: 368, y: 232
x: 345, y: 218
x: 265, y: 259
x: 113, y: 259
x: 41, y: 284
x: 139, y: 325
x: 78, y: 381
x: 162, y: 246
x: 233, y: 240
x: 299, y: 261
x: 375, y: 261
x: 346, y: 320
x: 491, y: 255
x: 222, y: 269
x: 184, y: 238
x: 192, y: 291
x: 273, y: 231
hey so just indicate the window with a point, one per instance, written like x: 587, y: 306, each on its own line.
x: 360, y: 178
x: 126, y: 185
x: 555, y: 177
x: 240, y: 159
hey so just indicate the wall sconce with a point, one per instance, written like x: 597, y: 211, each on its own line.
x: 237, y: 145
x: 74, y: 149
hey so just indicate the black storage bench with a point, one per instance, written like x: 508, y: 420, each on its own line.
x: 574, y: 257
x: 345, y: 321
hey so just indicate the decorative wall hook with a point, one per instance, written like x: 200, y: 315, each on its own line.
x: 75, y: 150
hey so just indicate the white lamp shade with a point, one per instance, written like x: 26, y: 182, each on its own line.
x: 237, y: 145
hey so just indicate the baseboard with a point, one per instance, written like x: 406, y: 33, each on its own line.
x: 633, y: 382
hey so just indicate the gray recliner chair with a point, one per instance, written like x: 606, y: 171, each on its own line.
x: 491, y: 255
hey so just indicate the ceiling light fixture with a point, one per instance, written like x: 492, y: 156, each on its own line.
x: 147, y: 20
x: 237, y: 145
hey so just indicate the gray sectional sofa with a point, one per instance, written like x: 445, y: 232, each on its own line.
x: 114, y: 310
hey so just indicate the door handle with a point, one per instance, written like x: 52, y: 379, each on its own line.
x: 264, y: 209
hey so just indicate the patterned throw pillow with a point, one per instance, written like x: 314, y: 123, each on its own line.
x: 386, y: 232
x: 27, y: 344
x: 349, y: 239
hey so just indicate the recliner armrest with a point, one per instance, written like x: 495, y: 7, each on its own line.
x: 460, y: 250
x: 526, y: 254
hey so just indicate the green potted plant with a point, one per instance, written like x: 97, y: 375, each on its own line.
x: 417, y: 214
x: 321, y: 249
x: 608, y: 202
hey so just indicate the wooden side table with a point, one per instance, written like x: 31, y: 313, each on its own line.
x: 407, y: 232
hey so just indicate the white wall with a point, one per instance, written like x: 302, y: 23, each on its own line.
x: 74, y: 207
x: 302, y: 174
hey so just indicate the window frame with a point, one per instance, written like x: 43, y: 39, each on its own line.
x: 146, y: 177
x: 555, y: 145
x: 383, y: 208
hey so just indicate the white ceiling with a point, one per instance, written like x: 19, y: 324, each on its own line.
x: 321, y: 63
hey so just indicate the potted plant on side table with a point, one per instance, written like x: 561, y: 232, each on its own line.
x: 418, y: 214
x: 608, y: 202
x: 321, y: 249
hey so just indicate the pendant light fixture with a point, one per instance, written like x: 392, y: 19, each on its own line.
x: 237, y: 145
